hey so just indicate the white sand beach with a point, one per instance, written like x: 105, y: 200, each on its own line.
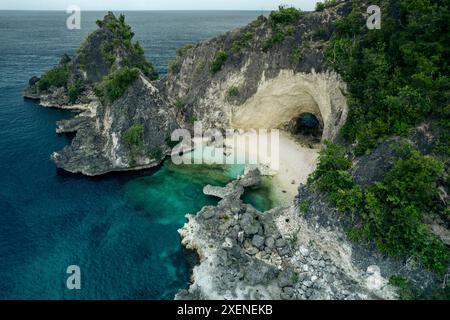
x: 288, y: 162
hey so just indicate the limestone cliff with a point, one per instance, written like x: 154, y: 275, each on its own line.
x: 273, y: 69
x: 299, y: 252
x: 124, y: 122
x: 264, y: 75
x: 276, y: 71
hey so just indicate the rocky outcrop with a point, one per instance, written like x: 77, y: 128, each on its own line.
x: 246, y: 78
x: 281, y: 253
x: 277, y: 79
x: 278, y: 83
x: 99, y: 147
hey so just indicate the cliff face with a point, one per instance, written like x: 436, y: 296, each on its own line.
x: 100, y: 144
x: 300, y: 252
x: 275, y: 70
x: 264, y: 75
x: 278, y: 254
x: 114, y: 131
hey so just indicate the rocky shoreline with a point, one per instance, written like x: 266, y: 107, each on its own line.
x: 233, y: 81
x: 284, y: 253
x: 251, y: 79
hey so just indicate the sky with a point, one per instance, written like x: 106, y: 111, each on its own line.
x: 154, y: 4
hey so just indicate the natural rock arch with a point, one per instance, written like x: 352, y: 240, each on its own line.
x: 289, y: 95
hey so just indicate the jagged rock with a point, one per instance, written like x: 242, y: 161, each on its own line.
x: 65, y: 59
x: 33, y: 80
x: 251, y: 179
x: 317, y: 90
x: 320, y: 269
x: 248, y: 224
x: 270, y: 242
x: 99, y: 146
x: 258, y: 241
x: 371, y: 168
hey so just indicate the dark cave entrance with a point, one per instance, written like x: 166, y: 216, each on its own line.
x: 307, y: 127
x: 307, y: 124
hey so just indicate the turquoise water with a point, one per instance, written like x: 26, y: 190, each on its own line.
x: 121, y: 229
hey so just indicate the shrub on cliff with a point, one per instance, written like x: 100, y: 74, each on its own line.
x: 122, y: 37
x: 331, y: 174
x: 183, y: 50
x: 218, y: 62
x: 397, y: 76
x: 134, y: 140
x: 281, y: 22
x: 284, y: 15
x: 243, y: 42
x: 114, y: 86
x: 58, y: 77
x: 391, y: 211
x: 75, y: 90
x: 320, y: 6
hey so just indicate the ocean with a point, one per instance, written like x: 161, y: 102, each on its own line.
x: 121, y: 228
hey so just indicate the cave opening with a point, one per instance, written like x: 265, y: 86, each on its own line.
x: 307, y: 127
x: 308, y: 124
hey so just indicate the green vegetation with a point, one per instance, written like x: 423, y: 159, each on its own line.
x: 156, y: 153
x: 257, y: 22
x: 147, y: 69
x: 320, y: 34
x: 120, y: 30
x: 114, y: 86
x: 284, y: 16
x: 175, y: 64
x: 281, y: 22
x: 243, y: 42
x: 183, y: 50
x: 218, y: 62
x: 233, y: 92
x: 107, y: 51
x: 397, y: 76
x: 391, y: 211
x: 134, y: 141
x: 138, y: 49
x: 192, y: 120
x: 295, y: 55
x: 320, y: 6
x: 180, y: 103
x: 304, y: 206
x: 58, y: 77
x: 276, y: 38
x: 407, y: 292
x: 75, y: 89
x: 123, y: 36
x: 402, y: 284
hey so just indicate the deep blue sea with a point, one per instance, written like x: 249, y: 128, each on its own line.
x: 120, y: 229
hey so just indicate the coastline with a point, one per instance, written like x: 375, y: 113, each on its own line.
x: 293, y: 167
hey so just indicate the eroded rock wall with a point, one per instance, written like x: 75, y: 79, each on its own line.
x: 278, y: 254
